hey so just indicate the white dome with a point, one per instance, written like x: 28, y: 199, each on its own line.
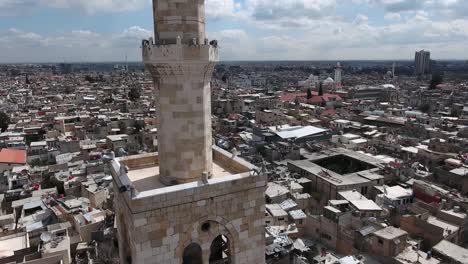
x: 388, y: 86
x: 329, y: 80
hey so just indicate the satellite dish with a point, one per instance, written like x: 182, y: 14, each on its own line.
x: 46, y: 237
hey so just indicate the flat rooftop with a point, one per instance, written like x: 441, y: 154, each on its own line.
x: 9, y: 244
x: 143, y: 170
x: 147, y: 178
x: 340, y: 166
x: 349, y: 155
x: 390, y: 233
x: 447, y: 227
x: 329, y: 175
x: 344, y: 164
x: 452, y: 251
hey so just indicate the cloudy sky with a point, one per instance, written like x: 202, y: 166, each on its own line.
x: 106, y: 30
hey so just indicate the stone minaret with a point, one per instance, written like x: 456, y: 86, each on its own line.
x: 181, y: 62
x: 338, y: 75
x: 202, y: 220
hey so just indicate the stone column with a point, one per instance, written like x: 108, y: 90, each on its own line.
x: 181, y: 62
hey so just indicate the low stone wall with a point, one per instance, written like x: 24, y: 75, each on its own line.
x: 195, y: 191
x: 225, y: 160
x: 141, y: 161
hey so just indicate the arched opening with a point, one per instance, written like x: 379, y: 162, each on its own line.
x: 219, y: 251
x: 192, y: 254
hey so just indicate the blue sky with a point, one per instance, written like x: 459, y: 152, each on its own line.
x: 106, y: 30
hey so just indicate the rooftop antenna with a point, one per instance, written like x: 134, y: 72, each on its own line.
x: 126, y: 62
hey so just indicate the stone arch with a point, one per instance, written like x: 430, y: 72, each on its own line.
x: 219, y: 250
x: 217, y: 226
x: 192, y: 254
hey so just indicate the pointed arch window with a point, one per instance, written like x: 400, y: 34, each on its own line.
x: 192, y: 254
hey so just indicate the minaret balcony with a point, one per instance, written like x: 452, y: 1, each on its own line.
x: 179, y: 52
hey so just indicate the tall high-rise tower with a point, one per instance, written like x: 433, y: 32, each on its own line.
x: 181, y: 62
x: 191, y: 203
x: 422, y: 63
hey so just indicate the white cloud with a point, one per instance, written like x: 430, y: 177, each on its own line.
x: 218, y: 9
x: 16, y: 7
x: 288, y: 13
x: 234, y: 43
x: 337, y: 40
x: 444, y: 8
x: 281, y: 30
x: 401, y: 5
x: 392, y: 16
x: 76, y: 45
x: 361, y: 19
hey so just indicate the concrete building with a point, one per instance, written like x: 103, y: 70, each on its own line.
x: 384, y: 93
x: 422, y: 63
x: 192, y: 202
x: 117, y: 142
x: 389, y: 242
x: 395, y: 198
x: 311, y: 83
x: 450, y: 253
x: 17, y: 248
x: 10, y: 158
x: 432, y: 229
x: 337, y: 170
x: 300, y: 133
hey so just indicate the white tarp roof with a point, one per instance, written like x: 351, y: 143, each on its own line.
x: 286, y: 132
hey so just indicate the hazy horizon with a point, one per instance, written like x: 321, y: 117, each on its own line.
x: 261, y: 30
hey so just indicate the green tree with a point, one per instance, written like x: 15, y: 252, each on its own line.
x: 122, y: 127
x: 138, y: 127
x: 309, y: 94
x: 4, y: 121
x: 90, y: 79
x: 425, y: 108
x: 437, y: 78
x: 134, y: 94
x: 455, y: 112
x: 69, y: 89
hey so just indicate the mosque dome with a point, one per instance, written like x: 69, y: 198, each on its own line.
x: 329, y: 80
x: 58, y: 97
x: 389, y: 86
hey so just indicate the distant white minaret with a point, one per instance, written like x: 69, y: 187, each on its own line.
x: 338, y: 74
x: 393, y: 72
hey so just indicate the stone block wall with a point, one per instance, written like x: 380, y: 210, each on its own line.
x: 185, y: 129
x: 158, y: 228
x: 182, y: 74
x: 184, y: 18
x: 225, y: 159
x: 141, y: 161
